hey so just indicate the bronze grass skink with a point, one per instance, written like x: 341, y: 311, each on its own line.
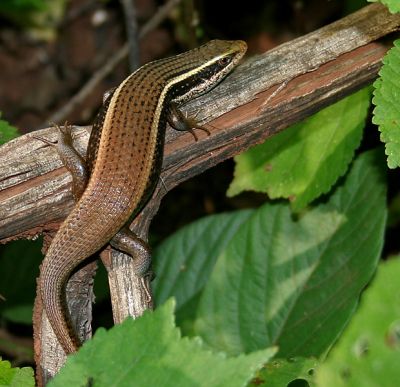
x: 124, y: 158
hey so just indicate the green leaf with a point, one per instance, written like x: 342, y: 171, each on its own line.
x: 295, y: 283
x: 281, y: 372
x: 184, y: 261
x: 39, y: 18
x: 305, y: 160
x: 15, y: 377
x: 19, y: 263
x: 393, y: 5
x: 351, y: 6
x: 22, y: 5
x: 151, y: 352
x: 387, y: 100
x: 368, y: 353
x: 7, y: 132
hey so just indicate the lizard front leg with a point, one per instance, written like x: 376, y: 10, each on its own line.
x: 70, y: 158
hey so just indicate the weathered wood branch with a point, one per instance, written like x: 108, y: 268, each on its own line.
x: 244, y: 110
x: 322, y: 67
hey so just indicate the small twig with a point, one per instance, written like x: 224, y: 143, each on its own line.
x: 109, y: 66
x: 78, y: 11
x: 190, y: 22
x: 132, y: 33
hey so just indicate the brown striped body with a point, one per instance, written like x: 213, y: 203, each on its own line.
x: 125, y: 157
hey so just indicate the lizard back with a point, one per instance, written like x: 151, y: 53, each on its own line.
x: 125, y: 157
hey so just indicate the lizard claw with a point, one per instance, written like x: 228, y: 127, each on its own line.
x: 64, y: 135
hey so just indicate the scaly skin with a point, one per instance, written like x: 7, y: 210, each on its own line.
x: 124, y: 158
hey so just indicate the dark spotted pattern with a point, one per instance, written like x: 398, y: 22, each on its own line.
x: 124, y: 156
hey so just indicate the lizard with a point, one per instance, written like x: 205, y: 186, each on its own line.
x: 122, y: 166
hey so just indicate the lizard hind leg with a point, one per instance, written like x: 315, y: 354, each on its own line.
x: 128, y: 242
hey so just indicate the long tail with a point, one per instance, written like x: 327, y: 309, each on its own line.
x: 52, y: 286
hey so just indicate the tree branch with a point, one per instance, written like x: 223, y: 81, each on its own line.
x: 132, y: 33
x: 34, y: 187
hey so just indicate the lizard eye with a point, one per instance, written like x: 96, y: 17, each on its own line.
x: 224, y: 61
